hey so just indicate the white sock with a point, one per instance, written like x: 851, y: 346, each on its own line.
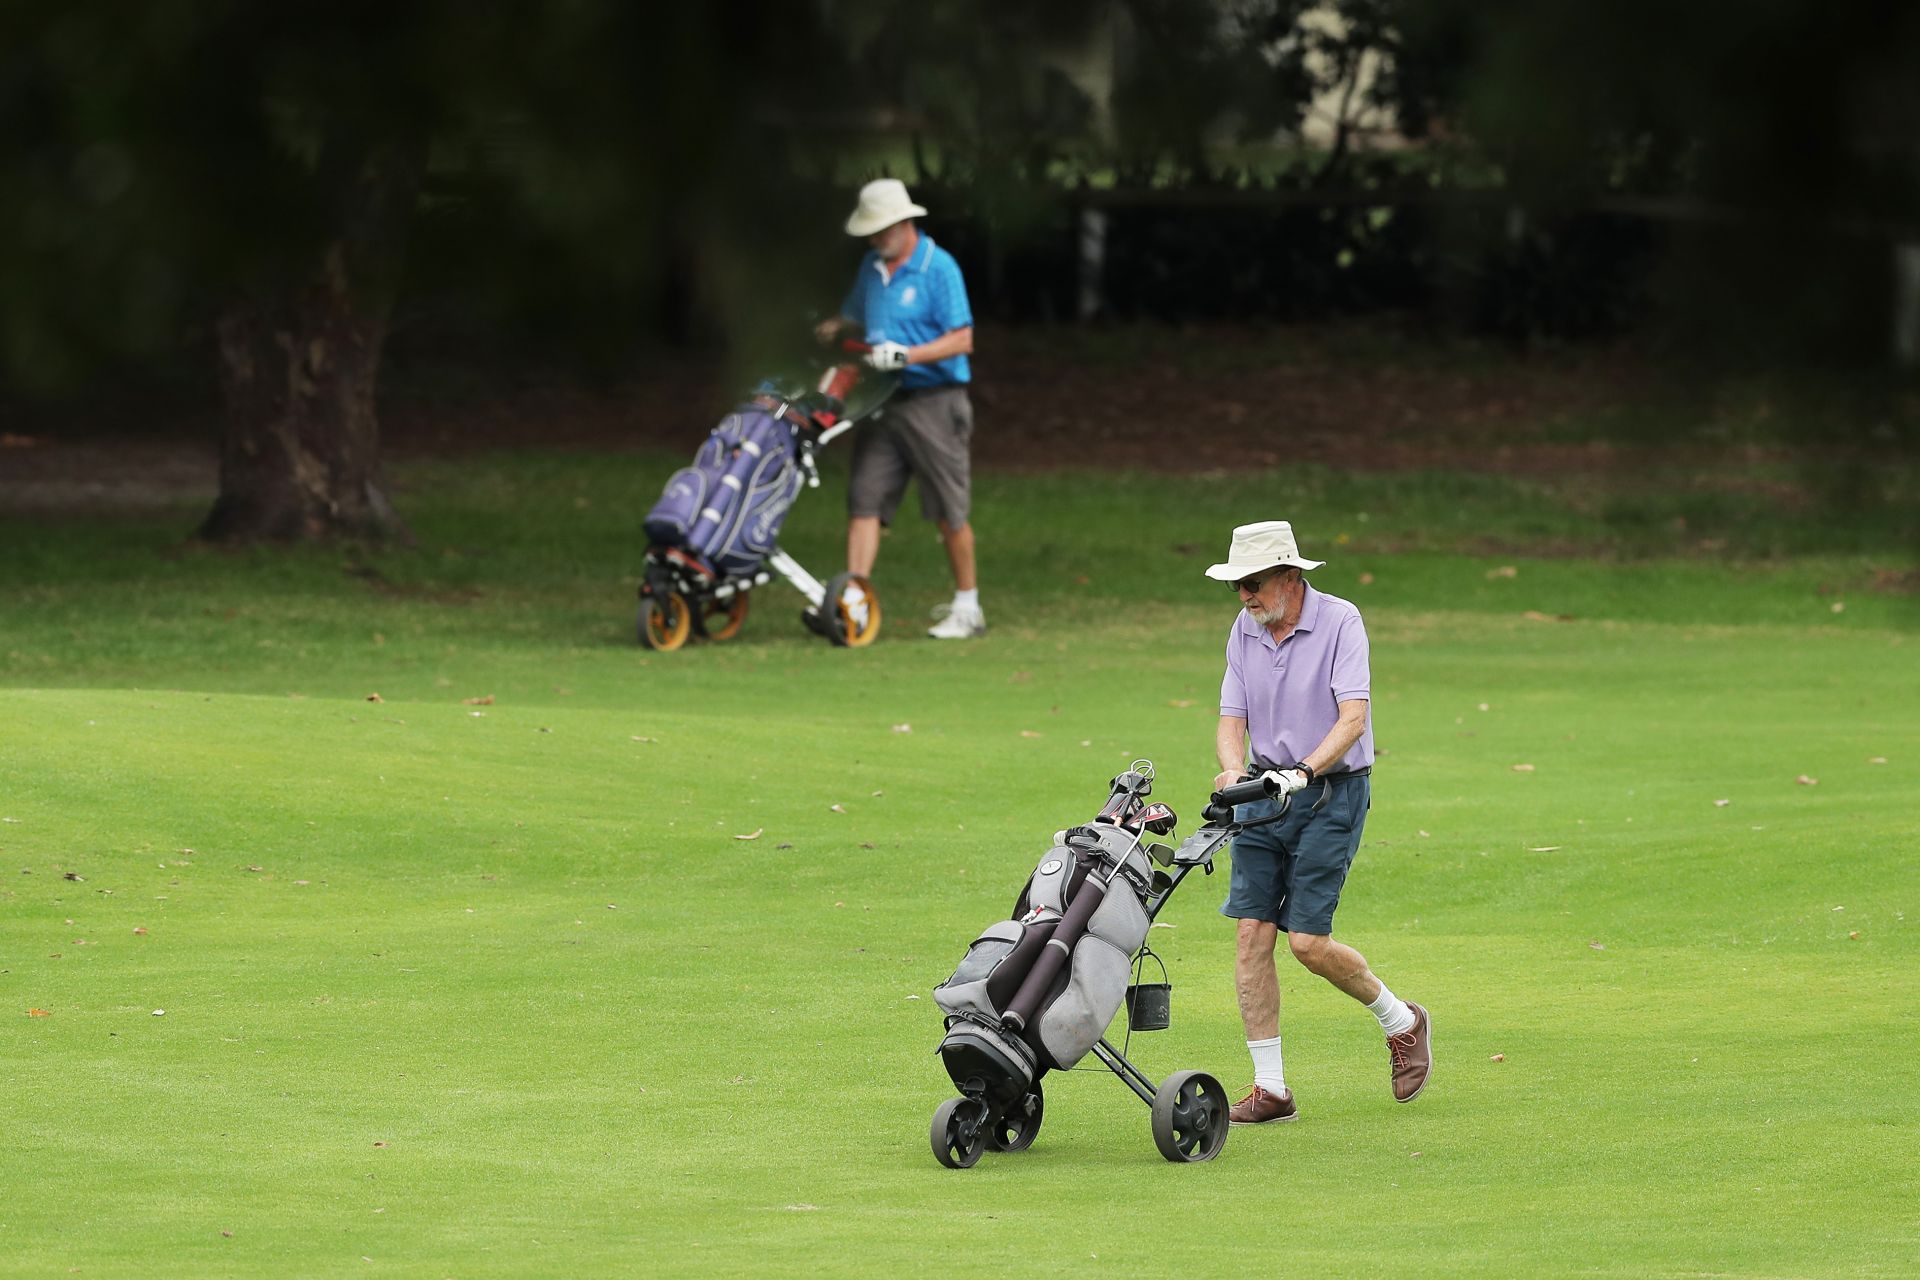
x: 967, y: 600
x: 1392, y: 1011
x: 1266, y: 1065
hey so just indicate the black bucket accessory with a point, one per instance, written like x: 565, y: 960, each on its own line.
x: 1149, y: 1004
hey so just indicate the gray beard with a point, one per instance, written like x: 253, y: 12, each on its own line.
x: 1266, y: 617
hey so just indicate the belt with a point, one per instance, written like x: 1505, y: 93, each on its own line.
x: 1361, y: 772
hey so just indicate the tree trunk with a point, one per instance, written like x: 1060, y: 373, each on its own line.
x: 299, y: 364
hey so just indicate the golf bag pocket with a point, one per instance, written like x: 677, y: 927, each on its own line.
x: 1079, y: 1015
x: 967, y: 991
x: 686, y: 494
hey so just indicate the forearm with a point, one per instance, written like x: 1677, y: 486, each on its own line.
x: 959, y: 342
x: 1340, y: 739
x: 1230, y: 744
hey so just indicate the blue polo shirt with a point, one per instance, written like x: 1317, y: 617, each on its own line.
x: 923, y: 300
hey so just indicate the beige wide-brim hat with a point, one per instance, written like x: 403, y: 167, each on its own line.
x: 883, y: 202
x: 1266, y: 545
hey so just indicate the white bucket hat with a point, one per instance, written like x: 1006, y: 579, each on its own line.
x: 1266, y: 545
x: 883, y: 202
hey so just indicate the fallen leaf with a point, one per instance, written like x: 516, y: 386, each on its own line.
x: 139, y: 929
x: 1596, y: 946
x: 903, y: 728
x: 613, y: 906
x: 159, y: 1013
x: 1486, y: 706
x: 1180, y: 702
x: 1162, y: 924
x: 1546, y: 848
x: 227, y: 1234
x: 866, y: 844
x: 1498, y: 1057
x: 1426, y: 833
x: 778, y: 846
x: 754, y: 834
x: 1876, y: 759
x: 379, y: 1144
x: 1366, y: 579
x: 1805, y: 781
x: 836, y: 808
x: 1028, y: 733
x: 638, y: 738
x: 878, y: 794
x: 484, y: 700
x: 1504, y: 571
x: 374, y: 697
x: 1415, y: 1156
x: 1839, y: 606
x: 1721, y: 804
x: 1523, y: 768
x: 75, y: 875
x: 256, y: 868
x: 39, y: 1013
x: 1855, y: 935
x: 913, y: 997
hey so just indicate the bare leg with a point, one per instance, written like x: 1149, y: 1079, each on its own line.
x: 863, y: 544
x: 1255, y: 980
x: 959, y: 555
x: 1337, y: 962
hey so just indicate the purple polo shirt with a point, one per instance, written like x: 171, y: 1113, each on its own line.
x: 1290, y: 693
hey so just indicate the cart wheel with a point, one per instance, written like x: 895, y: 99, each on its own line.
x: 665, y: 621
x: 722, y: 619
x: 1190, y: 1117
x: 1019, y: 1124
x: 849, y: 624
x: 959, y: 1132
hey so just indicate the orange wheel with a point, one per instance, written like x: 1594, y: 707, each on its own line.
x: 722, y: 619
x: 665, y: 621
x: 856, y: 610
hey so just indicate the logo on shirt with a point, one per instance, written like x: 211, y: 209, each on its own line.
x: 906, y: 296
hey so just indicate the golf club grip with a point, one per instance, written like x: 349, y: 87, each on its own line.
x: 853, y: 347
x: 1066, y: 935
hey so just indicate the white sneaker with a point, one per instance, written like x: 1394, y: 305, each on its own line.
x: 960, y: 624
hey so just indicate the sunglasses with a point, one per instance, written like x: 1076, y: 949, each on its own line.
x: 1254, y: 582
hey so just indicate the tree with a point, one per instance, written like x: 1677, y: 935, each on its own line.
x: 255, y: 170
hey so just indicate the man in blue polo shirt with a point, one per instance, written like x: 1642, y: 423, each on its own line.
x: 909, y: 302
x: 1296, y: 699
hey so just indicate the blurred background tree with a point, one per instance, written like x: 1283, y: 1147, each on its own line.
x: 293, y: 196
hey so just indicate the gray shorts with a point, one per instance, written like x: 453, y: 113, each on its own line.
x: 924, y: 435
x: 1290, y: 873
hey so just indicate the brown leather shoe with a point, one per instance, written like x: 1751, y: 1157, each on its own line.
x: 1261, y: 1107
x: 1412, y: 1053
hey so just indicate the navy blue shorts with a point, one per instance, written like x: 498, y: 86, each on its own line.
x: 1290, y: 872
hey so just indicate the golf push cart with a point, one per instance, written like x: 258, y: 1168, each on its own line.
x: 712, y: 535
x: 1035, y: 993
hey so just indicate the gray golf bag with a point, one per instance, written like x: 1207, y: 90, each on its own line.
x: 1036, y: 992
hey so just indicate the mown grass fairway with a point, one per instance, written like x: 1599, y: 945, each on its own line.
x: 491, y: 988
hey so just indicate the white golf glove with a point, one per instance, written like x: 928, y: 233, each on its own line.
x: 887, y: 356
x: 1289, y: 780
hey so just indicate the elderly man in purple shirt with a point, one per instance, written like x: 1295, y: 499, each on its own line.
x: 1297, y: 692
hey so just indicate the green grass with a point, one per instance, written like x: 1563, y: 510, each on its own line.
x: 491, y: 989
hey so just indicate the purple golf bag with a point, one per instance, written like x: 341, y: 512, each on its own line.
x: 726, y: 509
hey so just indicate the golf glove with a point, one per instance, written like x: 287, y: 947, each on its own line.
x: 1290, y: 780
x: 887, y: 356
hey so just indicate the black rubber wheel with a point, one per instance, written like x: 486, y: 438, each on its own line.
x: 665, y: 621
x: 1190, y: 1117
x: 959, y: 1132
x: 1015, y: 1128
